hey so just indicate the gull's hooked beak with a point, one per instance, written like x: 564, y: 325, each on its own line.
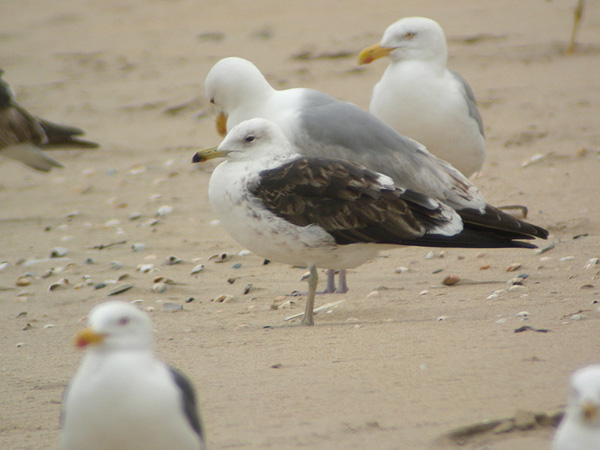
x: 370, y: 54
x: 209, y: 153
x: 221, y: 123
x: 88, y: 336
x: 590, y: 411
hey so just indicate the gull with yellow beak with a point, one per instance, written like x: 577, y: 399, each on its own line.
x: 331, y: 213
x: 317, y: 124
x: 420, y: 98
x: 580, y: 427
x: 122, y: 397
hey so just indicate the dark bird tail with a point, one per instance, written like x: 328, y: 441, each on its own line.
x: 501, y: 224
x: 471, y: 238
x: 64, y: 136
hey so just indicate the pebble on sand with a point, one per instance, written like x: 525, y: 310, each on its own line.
x: 451, y: 280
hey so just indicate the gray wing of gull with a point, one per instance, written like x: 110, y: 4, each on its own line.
x: 188, y: 399
x: 341, y: 130
x: 470, y: 100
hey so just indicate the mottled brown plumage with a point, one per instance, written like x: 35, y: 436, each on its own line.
x: 18, y: 126
x: 351, y: 204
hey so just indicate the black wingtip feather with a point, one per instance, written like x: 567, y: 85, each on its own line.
x: 504, y: 224
x: 471, y: 239
x: 189, y: 401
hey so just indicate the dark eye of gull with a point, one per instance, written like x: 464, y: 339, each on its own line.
x: 123, y: 320
x: 212, y: 100
x: 249, y: 138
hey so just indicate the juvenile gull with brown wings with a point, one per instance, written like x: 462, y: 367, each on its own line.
x: 23, y: 136
x: 317, y: 124
x: 332, y: 213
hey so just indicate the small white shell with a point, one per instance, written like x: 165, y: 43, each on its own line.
x: 145, y: 268
x: 159, y: 287
x: 513, y: 267
x: 220, y: 258
x: 164, y: 210
x: 535, y: 158
x: 58, y: 285
x: 120, y: 289
x: 138, y: 246
x: 197, y: 269
x: 58, y: 252
x: 171, y: 307
x: 223, y: 298
x: 171, y: 260
x: 591, y: 263
x: 23, y: 281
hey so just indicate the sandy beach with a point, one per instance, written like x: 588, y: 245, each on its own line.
x: 402, y: 360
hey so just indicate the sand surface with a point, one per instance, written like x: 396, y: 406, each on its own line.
x: 380, y: 372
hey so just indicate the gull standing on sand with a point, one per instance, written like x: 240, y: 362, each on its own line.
x: 420, y: 98
x: 317, y: 124
x: 580, y: 427
x: 22, y: 136
x: 122, y: 397
x: 332, y: 213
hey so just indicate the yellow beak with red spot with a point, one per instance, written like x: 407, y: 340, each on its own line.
x: 88, y: 336
x: 370, y: 54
